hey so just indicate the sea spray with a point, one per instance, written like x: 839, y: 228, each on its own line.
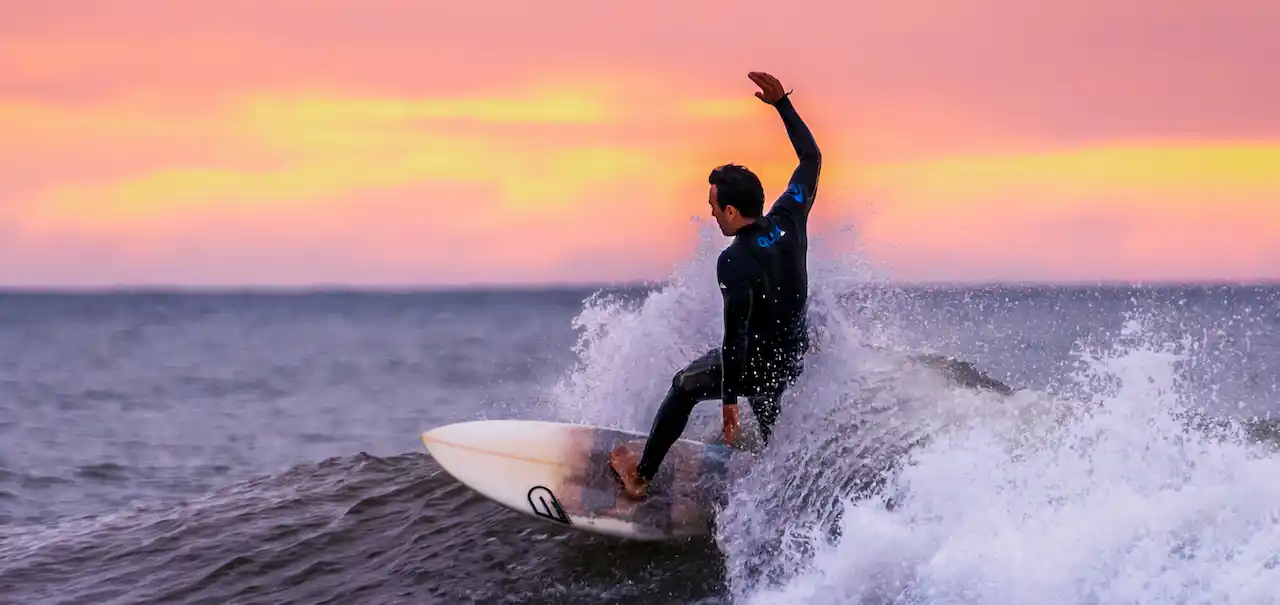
x: 886, y: 483
x: 1113, y: 501
x: 628, y: 350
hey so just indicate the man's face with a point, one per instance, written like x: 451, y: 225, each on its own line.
x: 724, y: 218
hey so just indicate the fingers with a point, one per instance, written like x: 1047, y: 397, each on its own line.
x: 770, y: 85
x: 762, y: 78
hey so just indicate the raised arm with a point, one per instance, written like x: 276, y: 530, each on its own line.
x: 805, y: 177
x: 802, y: 189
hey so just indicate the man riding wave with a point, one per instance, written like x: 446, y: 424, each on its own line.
x: 763, y: 280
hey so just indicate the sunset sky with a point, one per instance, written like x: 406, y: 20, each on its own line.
x: 430, y: 143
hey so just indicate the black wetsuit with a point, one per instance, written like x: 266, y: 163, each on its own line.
x: 764, y: 280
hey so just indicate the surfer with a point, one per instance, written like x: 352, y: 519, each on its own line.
x: 763, y: 280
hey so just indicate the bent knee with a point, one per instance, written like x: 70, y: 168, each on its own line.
x: 685, y: 381
x: 690, y: 382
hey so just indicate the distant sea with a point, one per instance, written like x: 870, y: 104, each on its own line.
x: 262, y: 447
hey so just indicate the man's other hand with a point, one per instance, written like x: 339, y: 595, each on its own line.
x: 730, y: 413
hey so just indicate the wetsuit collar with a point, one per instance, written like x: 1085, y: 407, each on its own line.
x: 749, y: 228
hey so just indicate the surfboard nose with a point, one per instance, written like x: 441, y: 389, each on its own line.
x: 501, y: 437
x: 457, y: 435
x: 448, y: 432
x: 470, y: 434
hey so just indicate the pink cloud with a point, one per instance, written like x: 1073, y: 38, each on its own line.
x: 1057, y: 72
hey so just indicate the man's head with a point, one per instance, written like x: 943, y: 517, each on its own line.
x: 736, y: 197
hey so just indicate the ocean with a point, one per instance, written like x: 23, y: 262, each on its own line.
x: 262, y: 446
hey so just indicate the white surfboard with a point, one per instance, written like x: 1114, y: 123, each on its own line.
x: 560, y: 473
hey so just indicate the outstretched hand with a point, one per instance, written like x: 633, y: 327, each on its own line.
x: 771, y: 90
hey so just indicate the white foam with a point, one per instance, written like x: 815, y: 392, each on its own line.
x: 1026, y: 499
x: 1118, y: 503
x: 627, y: 353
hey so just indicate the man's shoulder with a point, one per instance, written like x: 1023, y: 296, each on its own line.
x: 786, y: 211
x: 735, y: 259
x: 729, y: 255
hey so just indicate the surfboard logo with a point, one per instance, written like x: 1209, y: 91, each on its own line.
x: 551, y: 508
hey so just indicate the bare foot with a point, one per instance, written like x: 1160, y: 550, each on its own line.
x: 624, y: 463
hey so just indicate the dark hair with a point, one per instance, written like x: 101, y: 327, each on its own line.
x: 738, y: 187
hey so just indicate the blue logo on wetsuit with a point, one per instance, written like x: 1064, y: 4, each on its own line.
x: 765, y: 241
x: 796, y: 192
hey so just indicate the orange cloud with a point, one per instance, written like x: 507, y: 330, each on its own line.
x: 330, y: 155
x: 1188, y: 170
x: 1192, y: 212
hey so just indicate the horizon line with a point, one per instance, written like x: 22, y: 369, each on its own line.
x: 498, y: 287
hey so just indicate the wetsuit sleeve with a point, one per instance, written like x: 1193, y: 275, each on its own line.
x: 734, y: 273
x: 798, y: 199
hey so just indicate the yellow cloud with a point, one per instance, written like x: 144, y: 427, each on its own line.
x: 585, y: 140
x: 326, y: 147
x: 1077, y: 174
x: 541, y: 179
x: 1137, y: 203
